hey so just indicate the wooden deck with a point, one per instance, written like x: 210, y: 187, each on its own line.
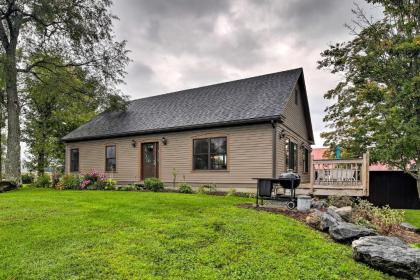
x: 347, y: 177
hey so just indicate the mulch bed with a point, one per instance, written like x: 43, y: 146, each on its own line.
x: 300, y: 216
x: 407, y: 236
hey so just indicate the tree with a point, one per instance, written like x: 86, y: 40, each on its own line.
x: 377, y: 104
x: 31, y: 32
x: 56, y: 106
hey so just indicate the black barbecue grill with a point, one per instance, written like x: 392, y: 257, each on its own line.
x: 267, y: 190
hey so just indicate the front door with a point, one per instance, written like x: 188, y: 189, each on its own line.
x: 149, y: 160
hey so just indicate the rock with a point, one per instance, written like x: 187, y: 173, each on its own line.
x: 319, y: 204
x: 314, y: 218
x: 332, y: 211
x: 328, y: 221
x: 344, y: 212
x: 346, y: 232
x: 6, y: 186
x: 388, y: 254
x: 409, y: 227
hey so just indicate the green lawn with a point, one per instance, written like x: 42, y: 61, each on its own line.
x: 46, y: 234
x: 412, y: 216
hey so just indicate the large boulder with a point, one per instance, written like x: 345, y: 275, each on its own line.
x: 346, y: 232
x: 388, y: 254
x: 314, y: 218
x: 332, y: 211
x: 328, y: 220
x: 6, y: 186
x: 344, y: 212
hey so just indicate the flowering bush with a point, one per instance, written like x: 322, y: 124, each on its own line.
x: 93, y: 180
x: 85, y: 184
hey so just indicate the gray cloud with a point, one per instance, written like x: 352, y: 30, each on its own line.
x: 178, y: 44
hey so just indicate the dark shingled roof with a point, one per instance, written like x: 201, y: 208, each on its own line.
x: 242, y: 101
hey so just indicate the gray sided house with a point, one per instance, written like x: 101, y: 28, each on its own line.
x: 223, y: 134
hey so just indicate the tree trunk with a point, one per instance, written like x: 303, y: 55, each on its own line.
x: 13, y: 113
x: 40, y: 165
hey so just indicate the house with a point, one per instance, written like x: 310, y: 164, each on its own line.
x: 223, y: 134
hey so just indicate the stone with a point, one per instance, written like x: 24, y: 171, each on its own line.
x: 6, y: 186
x: 388, y: 254
x: 409, y: 227
x: 346, y: 232
x: 319, y: 203
x: 328, y: 221
x: 332, y: 211
x: 344, y: 212
x: 314, y: 218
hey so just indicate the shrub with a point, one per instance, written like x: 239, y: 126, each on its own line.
x: 27, y: 178
x: 110, y: 184
x: 55, y: 179
x: 383, y: 219
x: 387, y: 219
x: 185, y: 188
x: 203, y: 189
x: 153, y: 184
x: 231, y: 192
x: 43, y: 181
x: 130, y: 187
x: 70, y: 182
x: 340, y: 201
x: 93, y: 180
x: 85, y: 184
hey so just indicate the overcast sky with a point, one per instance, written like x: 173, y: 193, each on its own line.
x: 180, y: 44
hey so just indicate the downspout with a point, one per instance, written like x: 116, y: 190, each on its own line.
x: 274, y: 149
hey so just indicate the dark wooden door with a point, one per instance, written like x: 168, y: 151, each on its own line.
x: 149, y: 160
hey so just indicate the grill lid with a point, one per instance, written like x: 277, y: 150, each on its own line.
x: 289, y: 175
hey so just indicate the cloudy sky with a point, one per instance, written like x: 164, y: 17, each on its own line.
x: 180, y: 44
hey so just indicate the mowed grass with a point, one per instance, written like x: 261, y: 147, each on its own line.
x: 412, y: 216
x: 47, y: 234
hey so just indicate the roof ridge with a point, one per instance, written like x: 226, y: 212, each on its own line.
x: 218, y: 84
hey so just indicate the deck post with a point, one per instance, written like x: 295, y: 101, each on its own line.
x: 366, y: 171
x: 312, y: 174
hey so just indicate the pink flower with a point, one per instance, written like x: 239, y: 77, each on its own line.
x: 84, y: 184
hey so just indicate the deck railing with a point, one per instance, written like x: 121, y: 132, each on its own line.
x: 340, y: 175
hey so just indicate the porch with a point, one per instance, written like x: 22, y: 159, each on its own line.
x: 342, y: 177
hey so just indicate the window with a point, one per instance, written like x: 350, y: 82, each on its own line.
x: 305, y: 160
x: 291, y: 155
x: 110, y: 158
x: 210, y: 153
x: 74, y: 160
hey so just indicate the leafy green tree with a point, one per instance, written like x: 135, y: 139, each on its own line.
x: 376, y: 106
x: 55, y: 106
x: 32, y: 32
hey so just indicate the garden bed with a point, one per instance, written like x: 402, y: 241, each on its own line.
x: 406, y: 235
